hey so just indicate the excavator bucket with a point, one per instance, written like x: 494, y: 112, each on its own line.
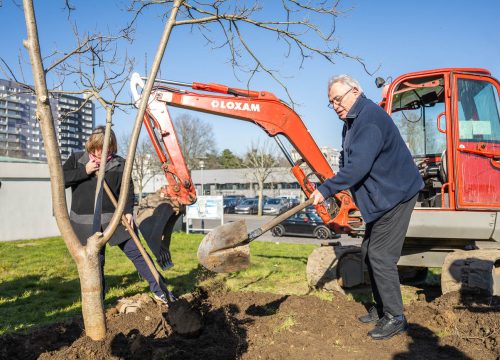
x: 156, y: 219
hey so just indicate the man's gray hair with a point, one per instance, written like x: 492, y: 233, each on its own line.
x: 346, y: 80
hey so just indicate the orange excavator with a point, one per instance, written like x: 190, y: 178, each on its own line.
x: 450, y: 121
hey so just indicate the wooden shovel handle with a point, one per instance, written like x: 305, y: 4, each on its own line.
x: 131, y: 231
x: 279, y: 219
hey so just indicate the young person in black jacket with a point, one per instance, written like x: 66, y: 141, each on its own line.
x: 378, y: 169
x: 80, y: 172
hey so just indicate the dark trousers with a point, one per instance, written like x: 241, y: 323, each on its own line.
x: 132, y: 252
x: 381, y: 250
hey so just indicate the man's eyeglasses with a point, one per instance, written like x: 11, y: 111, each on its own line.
x: 338, y: 99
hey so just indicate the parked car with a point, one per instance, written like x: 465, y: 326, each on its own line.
x: 309, y: 209
x: 275, y: 206
x: 230, y: 202
x: 228, y: 205
x: 304, y: 223
x: 247, y: 206
x: 293, y: 202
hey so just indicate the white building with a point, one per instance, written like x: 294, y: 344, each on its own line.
x: 280, y: 182
x: 25, y: 200
x: 20, y: 135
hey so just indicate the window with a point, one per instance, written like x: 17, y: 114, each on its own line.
x: 245, y: 186
x: 294, y: 185
x: 478, y: 115
x: 415, y: 108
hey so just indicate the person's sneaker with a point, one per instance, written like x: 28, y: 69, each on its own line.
x: 161, y: 298
x: 388, y: 327
x: 372, y: 316
x: 171, y: 297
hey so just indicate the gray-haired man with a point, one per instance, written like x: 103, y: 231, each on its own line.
x: 378, y: 169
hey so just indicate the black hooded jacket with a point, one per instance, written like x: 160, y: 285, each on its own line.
x: 83, y: 194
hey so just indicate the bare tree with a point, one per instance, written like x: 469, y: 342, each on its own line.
x: 196, y: 139
x: 237, y: 22
x: 146, y: 164
x: 85, y: 256
x: 260, y: 158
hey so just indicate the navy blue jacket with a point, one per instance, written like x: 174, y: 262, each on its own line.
x: 375, y: 163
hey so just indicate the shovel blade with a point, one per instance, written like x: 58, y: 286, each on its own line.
x: 221, y: 249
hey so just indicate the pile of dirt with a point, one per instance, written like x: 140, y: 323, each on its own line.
x: 249, y: 325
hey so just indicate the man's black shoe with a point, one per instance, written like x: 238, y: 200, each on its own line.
x: 372, y: 316
x: 387, y: 327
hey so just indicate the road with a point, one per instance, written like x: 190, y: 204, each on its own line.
x: 254, y: 221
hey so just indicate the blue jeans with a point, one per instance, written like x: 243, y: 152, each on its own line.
x: 132, y: 252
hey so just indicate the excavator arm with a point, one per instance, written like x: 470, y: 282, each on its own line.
x: 260, y: 107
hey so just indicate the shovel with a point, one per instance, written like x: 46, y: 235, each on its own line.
x: 225, y: 248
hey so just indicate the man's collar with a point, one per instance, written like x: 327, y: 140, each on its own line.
x: 356, y: 107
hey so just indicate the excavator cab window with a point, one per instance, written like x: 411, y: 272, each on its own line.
x: 478, y: 149
x: 416, y: 105
x: 478, y: 116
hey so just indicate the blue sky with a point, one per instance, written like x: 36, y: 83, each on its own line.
x: 400, y: 36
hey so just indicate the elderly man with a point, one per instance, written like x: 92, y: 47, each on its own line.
x: 378, y: 169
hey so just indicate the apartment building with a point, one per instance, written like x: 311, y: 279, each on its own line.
x: 20, y: 135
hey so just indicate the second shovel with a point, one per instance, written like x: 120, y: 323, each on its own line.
x: 225, y: 248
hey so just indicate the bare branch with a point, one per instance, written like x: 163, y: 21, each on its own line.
x: 85, y: 102
x: 69, y: 7
x: 8, y: 69
x: 297, y: 27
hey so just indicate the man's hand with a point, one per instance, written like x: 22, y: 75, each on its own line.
x: 130, y: 219
x: 318, y: 197
x: 91, y: 167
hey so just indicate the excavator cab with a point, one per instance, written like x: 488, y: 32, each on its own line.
x: 450, y: 121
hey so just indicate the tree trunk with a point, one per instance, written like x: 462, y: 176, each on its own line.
x: 86, y: 257
x: 89, y: 271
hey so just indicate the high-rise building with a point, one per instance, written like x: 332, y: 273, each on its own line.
x: 20, y: 134
x: 75, y: 121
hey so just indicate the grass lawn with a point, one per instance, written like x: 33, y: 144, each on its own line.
x: 39, y: 282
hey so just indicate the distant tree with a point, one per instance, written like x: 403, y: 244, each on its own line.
x: 211, y: 161
x: 228, y: 160
x: 196, y: 139
x: 261, y: 160
x: 411, y: 127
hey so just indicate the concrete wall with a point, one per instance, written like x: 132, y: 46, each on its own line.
x: 25, y: 202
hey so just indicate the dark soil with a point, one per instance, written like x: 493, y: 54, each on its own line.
x: 245, y: 325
